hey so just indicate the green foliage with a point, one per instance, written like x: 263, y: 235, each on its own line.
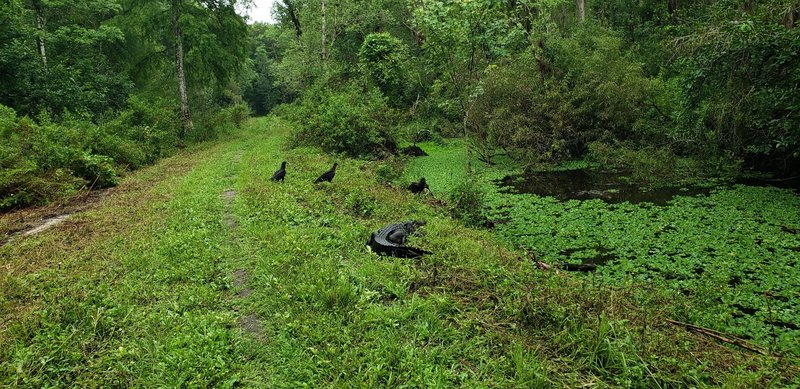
x: 181, y: 298
x: 352, y: 121
x: 422, y: 130
x: 216, y: 121
x: 384, y: 59
x: 261, y: 79
x: 99, y: 169
x: 714, y: 256
x: 78, y: 71
x: 739, y: 76
x: 651, y: 164
x: 389, y: 170
x: 590, y: 89
x: 44, y: 160
x: 360, y: 203
x: 688, y: 248
x: 99, y: 79
x: 143, y: 132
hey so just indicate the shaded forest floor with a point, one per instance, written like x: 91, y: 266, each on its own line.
x: 200, y: 271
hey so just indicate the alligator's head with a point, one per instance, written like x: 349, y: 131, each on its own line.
x: 412, y: 225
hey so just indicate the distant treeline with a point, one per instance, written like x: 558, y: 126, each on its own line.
x: 666, y: 87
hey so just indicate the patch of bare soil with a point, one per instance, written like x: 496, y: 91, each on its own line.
x: 252, y: 325
x: 34, y: 220
x: 240, y: 279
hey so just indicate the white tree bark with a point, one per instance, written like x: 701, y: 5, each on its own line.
x: 41, y: 23
x: 324, y: 33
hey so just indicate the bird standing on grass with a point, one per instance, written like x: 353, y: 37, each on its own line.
x: 419, y: 187
x: 280, y: 174
x: 327, y: 176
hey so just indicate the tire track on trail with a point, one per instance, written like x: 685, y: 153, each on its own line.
x: 249, y: 323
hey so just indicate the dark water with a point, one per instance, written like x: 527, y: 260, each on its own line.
x: 611, y: 187
x: 597, y: 255
x: 788, y: 183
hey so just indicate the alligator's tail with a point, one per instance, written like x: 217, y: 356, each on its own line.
x: 408, y: 252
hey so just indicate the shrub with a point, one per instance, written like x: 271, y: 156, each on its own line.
x: 467, y: 202
x: 351, y: 121
x: 239, y: 113
x: 23, y: 183
x: 590, y: 89
x: 422, y: 131
x: 98, y: 170
x: 140, y: 134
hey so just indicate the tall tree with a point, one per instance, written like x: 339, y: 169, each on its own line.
x: 292, y: 11
x: 324, y: 34
x: 205, y: 40
x: 41, y: 31
x: 186, y: 114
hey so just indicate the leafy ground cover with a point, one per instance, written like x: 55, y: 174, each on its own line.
x: 199, y: 271
x: 728, y: 260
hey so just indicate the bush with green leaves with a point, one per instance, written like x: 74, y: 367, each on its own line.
x: 214, y: 121
x: 384, y: 60
x: 590, y: 89
x: 739, y: 74
x: 353, y: 120
x: 140, y: 134
x: 43, y: 159
x: 389, y: 170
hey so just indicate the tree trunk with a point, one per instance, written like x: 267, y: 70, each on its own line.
x: 324, y: 34
x: 581, y: 11
x: 747, y: 6
x: 41, y: 21
x: 293, y: 15
x: 790, y: 20
x: 672, y: 8
x: 186, y: 115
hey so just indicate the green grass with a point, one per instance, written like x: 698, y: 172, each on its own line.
x: 168, y: 283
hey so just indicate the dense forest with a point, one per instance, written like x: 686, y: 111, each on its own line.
x: 669, y: 89
x: 91, y: 89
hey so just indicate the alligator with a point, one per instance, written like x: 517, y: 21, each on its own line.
x: 390, y: 240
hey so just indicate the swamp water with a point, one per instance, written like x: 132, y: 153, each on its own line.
x: 732, y: 250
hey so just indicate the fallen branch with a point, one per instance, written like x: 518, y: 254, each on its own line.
x: 718, y: 336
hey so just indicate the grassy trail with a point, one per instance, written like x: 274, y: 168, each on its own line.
x: 200, y: 272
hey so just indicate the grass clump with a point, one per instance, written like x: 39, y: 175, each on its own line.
x: 467, y: 203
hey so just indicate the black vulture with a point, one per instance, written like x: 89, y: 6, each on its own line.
x: 418, y: 187
x: 327, y: 176
x: 280, y: 174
